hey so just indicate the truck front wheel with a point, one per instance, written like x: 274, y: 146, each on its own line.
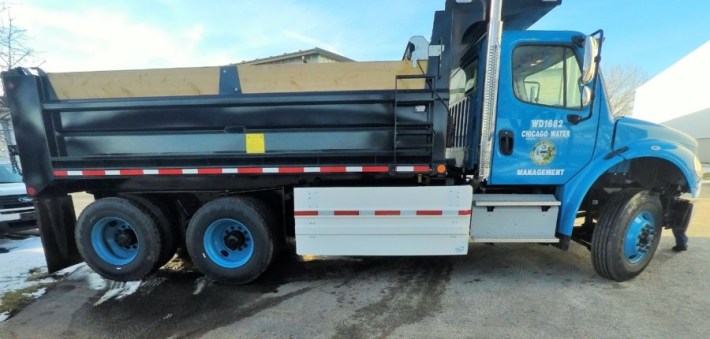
x: 230, y: 240
x: 627, y: 234
x: 118, y: 239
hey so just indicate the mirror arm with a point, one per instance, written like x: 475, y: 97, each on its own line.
x: 575, y: 119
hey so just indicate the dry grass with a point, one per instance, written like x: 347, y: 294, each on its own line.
x: 15, y: 300
x: 37, y: 274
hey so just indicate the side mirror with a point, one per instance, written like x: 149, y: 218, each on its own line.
x: 592, y: 50
x: 589, y: 65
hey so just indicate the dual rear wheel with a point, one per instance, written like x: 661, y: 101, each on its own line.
x: 230, y: 240
x: 119, y: 239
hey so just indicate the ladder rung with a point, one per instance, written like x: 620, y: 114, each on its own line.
x: 412, y: 125
x: 414, y: 147
x: 413, y: 133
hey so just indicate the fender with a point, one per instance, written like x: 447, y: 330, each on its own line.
x: 573, y: 192
x: 681, y: 157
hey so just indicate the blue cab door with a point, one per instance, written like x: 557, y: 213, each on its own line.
x: 539, y: 87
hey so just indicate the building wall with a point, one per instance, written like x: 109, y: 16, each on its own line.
x: 6, y: 133
x: 704, y: 150
x: 678, y: 98
x: 677, y: 91
x: 311, y: 59
x: 697, y: 124
x: 312, y: 56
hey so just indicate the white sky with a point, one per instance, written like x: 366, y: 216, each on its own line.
x: 97, y: 35
x: 78, y: 35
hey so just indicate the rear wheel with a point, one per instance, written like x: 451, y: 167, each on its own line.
x: 118, y: 239
x: 230, y: 240
x: 627, y: 234
x: 165, y: 223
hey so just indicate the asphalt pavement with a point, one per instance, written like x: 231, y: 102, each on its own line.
x: 506, y: 290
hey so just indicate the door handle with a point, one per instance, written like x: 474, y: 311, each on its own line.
x: 505, y: 142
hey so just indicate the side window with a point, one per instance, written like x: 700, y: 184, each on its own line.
x: 547, y: 75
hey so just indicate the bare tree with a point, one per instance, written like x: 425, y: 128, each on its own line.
x: 14, y: 52
x: 621, y: 82
x: 14, y: 48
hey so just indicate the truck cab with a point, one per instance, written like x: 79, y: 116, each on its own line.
x: 550, y: 137
x: 539, y: 88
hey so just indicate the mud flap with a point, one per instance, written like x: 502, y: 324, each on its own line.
x: 56, y: 219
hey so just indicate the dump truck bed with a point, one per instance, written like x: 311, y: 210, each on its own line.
x: 232, y: 119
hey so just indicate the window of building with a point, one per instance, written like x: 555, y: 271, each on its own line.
x: 547, y: 75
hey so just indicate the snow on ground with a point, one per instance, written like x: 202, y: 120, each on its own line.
x: 119, y: 290
x: 112, y: 289
x: 82, y: 272
x: 19, y: 260
x: 15, y: 265
x: 200, y: 284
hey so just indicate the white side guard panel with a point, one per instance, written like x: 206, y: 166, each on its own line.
x: 383, y: 220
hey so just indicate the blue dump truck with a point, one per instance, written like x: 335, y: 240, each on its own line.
x: 488, y: 133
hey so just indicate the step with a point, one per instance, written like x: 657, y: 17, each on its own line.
x: 515, y: 200
x: 514, y: 218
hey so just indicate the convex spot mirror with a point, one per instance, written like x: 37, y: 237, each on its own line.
x: 586, y: 95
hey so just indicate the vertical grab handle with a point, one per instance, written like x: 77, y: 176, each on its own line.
x: 505, y: 142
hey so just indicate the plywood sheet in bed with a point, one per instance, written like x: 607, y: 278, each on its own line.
x: 340, y: 76
x: 136, y: 83
x: 293, y: 78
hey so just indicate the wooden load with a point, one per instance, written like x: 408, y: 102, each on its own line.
x: 253, y: 79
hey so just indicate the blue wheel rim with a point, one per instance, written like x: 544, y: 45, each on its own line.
x: 640, y: 237
x: 228, y: 243
x: 115, y: 241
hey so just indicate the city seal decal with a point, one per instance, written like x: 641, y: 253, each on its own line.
x: 543, y: 153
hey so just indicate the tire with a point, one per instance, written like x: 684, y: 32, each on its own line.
x: 627, y: 234
x: 230, y: 240
x: 118, y: 239
x: 166, y: 227
x: 275, y: 224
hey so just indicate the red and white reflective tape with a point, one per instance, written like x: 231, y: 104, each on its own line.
x: 239, y: 170
x: 380, y: 213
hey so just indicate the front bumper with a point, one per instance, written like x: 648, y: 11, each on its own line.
x: 17, y: 219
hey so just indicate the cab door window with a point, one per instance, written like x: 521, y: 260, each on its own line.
x: 547, y: 75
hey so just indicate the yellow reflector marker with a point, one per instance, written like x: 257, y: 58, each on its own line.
x: 255, y: 143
